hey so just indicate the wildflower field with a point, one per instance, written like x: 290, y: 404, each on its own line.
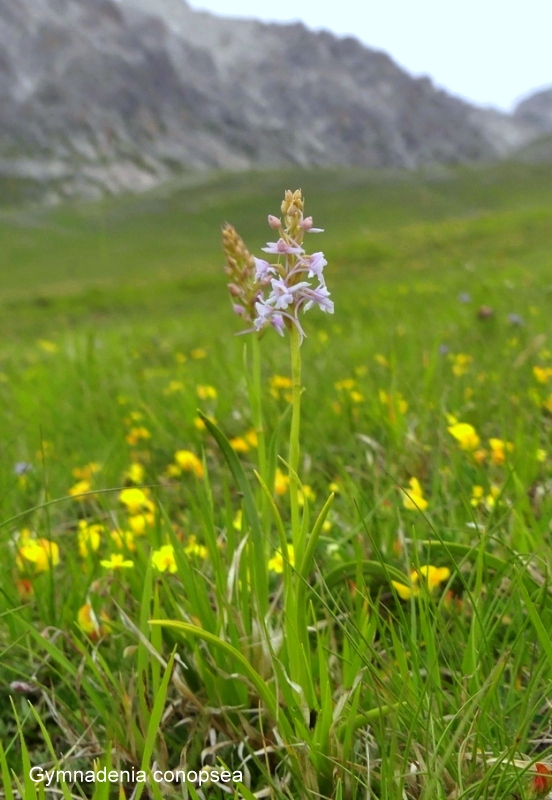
x: 307, y: 565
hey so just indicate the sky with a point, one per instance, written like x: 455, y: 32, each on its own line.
x: 490, y: 52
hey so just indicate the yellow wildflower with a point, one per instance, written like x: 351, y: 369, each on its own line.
x: 547, y: 404
x: 173, y: 387
x: 460, y: 363
x: 465, y: 435
x: 394, y: 402
x: 117, y: 561
x: 163, y: 559
x: 480, y: 455
x: 41, y: 554
x: 140, y: 522
x: 88, y: 621
x: 47, y: 346
x: 277, y: 384
x: 477, y: 495
x: 542, y: 374
x: 276, y: 563
x: 206, y: 392
x: 281, y: 482
x: 123, y: 540
x: 85, y: 473
x: 237, y: 521
x: 199, y: 425
x: 252, y: 438
x: 198, y: 352
x: 192, y: 548
x: 89, y: 538
x: 433, y: 577
x: 356, y: 397
x: 498, y: 450
x: 540, y: 455
x: 180, y: 358
x: 492, y: 497
x: 414, y: 500
x: 189, y: 462
x: 239, y: 444
x: 135, y: 473
x: 137, y: 434
x: 305, y: 494
x: 173, y: 471
x: 345, y: 385
x: 46, y: 449
x: 381, y: 360
x: 135, y: 500
x: 79, y: 489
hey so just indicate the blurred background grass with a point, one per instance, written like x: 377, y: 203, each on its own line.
x: 158, y: 255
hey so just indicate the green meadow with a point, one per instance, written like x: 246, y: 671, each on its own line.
x: 362, y: 611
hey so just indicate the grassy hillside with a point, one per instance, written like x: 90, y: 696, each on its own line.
x: 155, y: 252
x: 366, y: 661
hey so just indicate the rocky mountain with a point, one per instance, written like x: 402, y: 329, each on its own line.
x: 111, y: 95
x: 537, y: 109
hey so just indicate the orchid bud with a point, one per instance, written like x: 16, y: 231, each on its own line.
x: 22, y: 687
x: 307, y: 224
x: 274, y: 222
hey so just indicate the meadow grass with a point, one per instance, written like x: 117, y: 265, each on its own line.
x: 359, y: 671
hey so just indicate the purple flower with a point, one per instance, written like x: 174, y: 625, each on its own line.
x: 282, y: 295
x: 264, y: 269
x: 515, y: 319
x: 21, y: 467
x: 316, y: 264
x: 277, y: 322
x: 268, y: 314
x: 284, y: 288
x: 264, y: 313
x: 464, y: 297
x: 307, y: 226
x: 281, y: 246
x: 320, y: 297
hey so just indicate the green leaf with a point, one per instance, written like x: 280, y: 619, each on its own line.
x: 248, y: 671
x: 259, y: 576
x: 154, y: 722
x: 6, y: 777
x: 383, y: 573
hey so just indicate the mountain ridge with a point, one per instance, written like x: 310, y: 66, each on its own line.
x: 104, y: 96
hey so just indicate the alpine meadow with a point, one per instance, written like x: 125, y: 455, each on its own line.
x: 276, y: 488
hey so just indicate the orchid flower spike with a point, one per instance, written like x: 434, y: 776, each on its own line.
x: 274, y: 294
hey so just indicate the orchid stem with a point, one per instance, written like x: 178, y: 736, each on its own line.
x: 295, y: 347
x: 258, y: 423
